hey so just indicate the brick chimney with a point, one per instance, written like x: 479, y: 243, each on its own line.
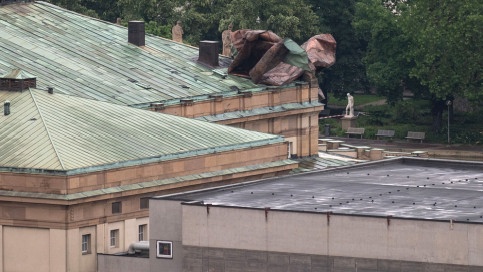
x: 208, y: 53
x: 136, y: 33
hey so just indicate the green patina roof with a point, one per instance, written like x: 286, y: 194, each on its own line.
x: 66, y: 133
x: 89, y: 58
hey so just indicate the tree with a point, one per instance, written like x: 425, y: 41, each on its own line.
x: 77, y: 6
x: 348, y: 74
x: 201, y: 19
x: 385, y: 57
x: 107, y: 10
x: 205, y: 20
x: 430, y: 46
x: 287, y: 18
x: 446, y: 46
x: 159, y: 11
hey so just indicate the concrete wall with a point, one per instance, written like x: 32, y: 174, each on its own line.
x: 166, y: 216
x: 334, y: 235
x: 28, y: 249
x: 228, y: 260
x: 51, y: 250
x: 111, y: 263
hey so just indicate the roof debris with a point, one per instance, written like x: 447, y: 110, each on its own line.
x: 268, y: 59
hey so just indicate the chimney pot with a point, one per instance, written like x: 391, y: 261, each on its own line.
x: 136, y: 34
x: 6, y: 107
x: 208, y: 53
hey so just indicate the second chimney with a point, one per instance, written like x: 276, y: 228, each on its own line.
x: 6, y: 107
x: 209, y: 53
x: 136, y: 33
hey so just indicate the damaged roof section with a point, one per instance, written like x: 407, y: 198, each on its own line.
x: 90, y: 58
x: 266, y: 58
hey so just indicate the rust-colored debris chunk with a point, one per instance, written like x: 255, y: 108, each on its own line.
x: 266, y: 58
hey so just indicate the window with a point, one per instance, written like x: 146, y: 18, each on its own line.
x: 86, y: 244
x: 164, y: 249
x: 143, y: 232
x: 114, y: 237
x: 116, y: 207
x: 144, y: 202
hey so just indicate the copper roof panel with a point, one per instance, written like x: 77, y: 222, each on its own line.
x: 90, y: 58
x: 61, y: 132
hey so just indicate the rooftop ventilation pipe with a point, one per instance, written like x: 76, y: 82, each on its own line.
x: 137, y: 247
x: 136, y: 34
x: 6, y: 107
x: 50, y: 90
x: 208, y: 53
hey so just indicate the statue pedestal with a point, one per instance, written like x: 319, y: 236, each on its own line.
x: 348, y: 122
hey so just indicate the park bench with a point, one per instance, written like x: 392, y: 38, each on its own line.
x: 354, y: 131
x: 385, y: 133
x: 415, y: 135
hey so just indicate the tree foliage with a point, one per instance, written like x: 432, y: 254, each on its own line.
x: 207, y: 19
x: 201, y: 19
x: 429, y: 47
x: 348, y: 74
x: 287, y: 18
x: 159, y: 11
x: 106, y: 10
x: 446, y: 46
x: 385, y: 57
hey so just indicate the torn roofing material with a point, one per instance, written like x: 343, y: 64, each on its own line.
x: 266, y: 58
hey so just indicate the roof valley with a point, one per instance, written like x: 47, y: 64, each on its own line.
x: 46, y: 129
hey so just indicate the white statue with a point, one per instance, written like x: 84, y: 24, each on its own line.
x: 349, y: 110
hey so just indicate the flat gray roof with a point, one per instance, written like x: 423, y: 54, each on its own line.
x: 403, y: 188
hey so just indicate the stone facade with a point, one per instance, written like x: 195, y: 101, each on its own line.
x: 299, y: 126
x: 52, y: 211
